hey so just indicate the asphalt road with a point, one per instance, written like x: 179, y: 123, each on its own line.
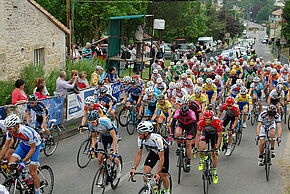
x: 238, y: 173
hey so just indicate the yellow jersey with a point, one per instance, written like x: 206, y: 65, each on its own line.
x: 243, y: 100
x: 164, y: 108
x: 208, y: 88
x: 201, y: 99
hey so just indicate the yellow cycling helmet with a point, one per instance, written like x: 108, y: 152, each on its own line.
x: 233, y: 71
x: 252, y: 63
x: 199, y: 53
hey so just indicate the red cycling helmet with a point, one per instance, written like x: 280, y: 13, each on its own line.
x: 208, y: 114
x: 230, y: 101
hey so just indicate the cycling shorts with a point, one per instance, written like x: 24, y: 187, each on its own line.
x: 149, y: 111
x: 259, y: 94
x: 133, y: 98
x: 263, y: 131
x: 227, y: 119
x: 209, y: 138
x: 274, y: 101
x: 243, y: 105
x: 22, y: 150
x: 105, y: 143
x: 162, y: 114
x: 190, y: 129
x: 153, y: 157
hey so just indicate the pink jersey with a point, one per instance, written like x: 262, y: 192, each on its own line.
x: 187, y: 119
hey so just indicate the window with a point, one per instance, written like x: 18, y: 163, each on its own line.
x: 39, y: 56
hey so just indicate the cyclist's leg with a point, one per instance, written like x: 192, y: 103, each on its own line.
x: 112, y: 113
x: 164, y: 171
x: 33, y: 167
x: 272, y: 135
x: 202, y: 146
x: 213, y: 141
x: 245, y: 112
x: 262, y: 141
x: 178, y: 133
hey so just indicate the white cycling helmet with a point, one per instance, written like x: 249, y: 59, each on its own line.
x: 268, y: 69
x: 184, y: 75
x: 256, y: 79
x: 159, y: 80
x: 208, y: 80
x: 149, y: 91
x: 199, y: 80
x: 178, y: 85
x: 185, y: 62
x: 178, y: 64
x: 155, y: 71
x: 89, y: 100
x: 243, y: 90
x: 145, y: 127
x: 218, y: 77
x: 11, y: 121
x: 274, y: 72
x: 239, y: 82
x: 172, y: 64
x: 278, y: 62
x: 258, y: 60
x: 188, y: 72
x: 172, y: 85
x: 127, y: 79
x: 280, y: 87
x: 280, y: 80
x: 197, y: 90
x: 198, y: 62
x: 186, y: 99
x: 150, y: 84
x: 227, y: 70
x: 224, y: 62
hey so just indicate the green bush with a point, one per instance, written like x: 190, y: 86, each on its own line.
x: 6, y: 91
x: 50, y: 81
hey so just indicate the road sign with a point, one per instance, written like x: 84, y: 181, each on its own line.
x: 159, y: 24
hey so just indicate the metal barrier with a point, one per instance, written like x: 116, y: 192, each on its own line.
x: 281, y: 58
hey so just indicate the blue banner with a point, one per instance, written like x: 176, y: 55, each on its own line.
x: 2, y: 113
x: 117, y: 90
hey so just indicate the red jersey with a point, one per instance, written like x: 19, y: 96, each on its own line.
x: 214, y: 127
x: 97, y: 107
x: 233, y: 111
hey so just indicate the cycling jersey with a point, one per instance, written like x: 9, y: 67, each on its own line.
x: 150, y: 101
x: 191, y: 117
x: 125, y: 87
x: 39, y: 108
x: 232, y: 111
x: 155, y: 76
x: 275, y: 95
x: 104, y: 127
x: 102, y: 111
x: 97, y: 92
x: 180, y: 94
x: 242, y: 101
x: 201, y: 99
x: 105, y: 101
x: 214, y: 127
x: 268, y: 121
x: 136, y: 92
x: 161, y: 86
x: 209, y: 88
x: 165, y: 107
x: 27, y: 135
x: 156, y: 143
x: 219, y: 84
x: 235, y: 90
x: 187, y: 84
x: 257, y: 87
x: 274, y: 79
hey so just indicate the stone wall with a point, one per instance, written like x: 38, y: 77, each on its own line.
x: 23, y: 29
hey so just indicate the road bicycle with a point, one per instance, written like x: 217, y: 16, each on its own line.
x: 267, y: 156
x: 151, y: 186
x: 225, y: 141
x: 20, y: 181
x: 181, y: 154
x: 239, y: 129
x: 207, y: 175
x: 107, y: 173
x: 132, y: 120
x: 161, y: 128
x: 255, y: 112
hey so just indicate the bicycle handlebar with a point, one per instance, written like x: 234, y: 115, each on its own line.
x: 131, y: 178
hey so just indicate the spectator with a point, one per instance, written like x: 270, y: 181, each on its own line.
x: 156, y: 65
x: 82, y: 80
x: 63, y: 86
x: 87, y: 52
x: 40, y: 92
x: 111, y: 76
x: 96, y: 76
x: 38, y: 82
x: 76, y: 54
x: 18, y: 94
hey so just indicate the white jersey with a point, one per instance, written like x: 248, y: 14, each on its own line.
x: 187, y: 85
x: 180, y: 94
x: 161, y: 87
x: 26, y: 134
x: 155, y: 142
x: 268, y: 121
x: 274, y: 94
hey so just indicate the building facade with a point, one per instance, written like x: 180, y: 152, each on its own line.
x: 29, y: 35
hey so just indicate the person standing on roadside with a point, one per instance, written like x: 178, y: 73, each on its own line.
x: 87, y: 52
x: 96, y: 76
x: 62, y: 86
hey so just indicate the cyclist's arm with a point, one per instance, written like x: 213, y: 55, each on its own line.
x: 269, y: 99
x: 141, y: 108
x: 139, y: 99
x: 110, y: 107
x: 169, y: 115
x: 161, y: 161
x: 219, y: 114
x: 155, y: 114
x: 5, y: 148
x: 138, y: 157
x: 43, y: 125
x: 279, y: 127
x: 84, y: 118
x: 30, y: 153
x: 115, y: 140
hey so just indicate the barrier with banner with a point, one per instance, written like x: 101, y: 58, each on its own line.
x: 76, y: 102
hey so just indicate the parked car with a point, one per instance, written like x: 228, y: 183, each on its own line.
x: 184, y: 49
x: 167, y: 54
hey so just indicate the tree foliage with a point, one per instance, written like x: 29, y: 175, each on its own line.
x: 286, y: 25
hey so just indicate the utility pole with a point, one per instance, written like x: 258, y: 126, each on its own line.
x: 68, y: 38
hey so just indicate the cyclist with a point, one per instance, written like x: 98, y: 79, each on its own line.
x: 199, y: 97
x: 148, y: 102
x: 211, y: 91
x: 232, y: 117
x: 220, y: 87
x: 177, y: 94
x: 209, y: 131
x: 244, y: 100
x: 101, y: 83
x: 108, y: 139
x: 160, y: 85
x: 273, y: 78
x: 249, y: 77
x: 27, y: 150
x: 126, y: 85
x: 107, y: 101
x: 186, y: 122
x: 272, y: 120
x: 150, y: 84
x: 155, y: 75
x: 186, y: 83
x: 134, y: 94
x: 257, y: 91
x: 41, y: 113
x: 235, y: 89
x: 194, y: 106
x: 276, y: 97
x: 170, y: 90
x: 232, y: 79
x: 159, y: 150
x: 199, y: 82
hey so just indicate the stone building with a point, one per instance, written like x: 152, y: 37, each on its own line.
x: 29, y: 35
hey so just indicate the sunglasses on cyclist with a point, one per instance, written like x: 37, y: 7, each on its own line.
x: 207, y: 119
x: 92, y: 122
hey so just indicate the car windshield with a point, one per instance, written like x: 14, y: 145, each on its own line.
x: 184, y: 46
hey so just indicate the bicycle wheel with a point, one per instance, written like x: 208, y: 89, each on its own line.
x: 99, y: 181
x: 145, y: 190
x: 234, y: 143
x: 131, y: 120
x: 123, y: 115
x: 46, y: 176
x: 253, y: 118
x: 15, y: 187
x: 289, y: 122
x: 205, y: 179
x: 83, y: 156
x: 267, y: 163
x: 51, y: 143
x: 180, y: 165
x: 239, y: 134
x: 115, y: 181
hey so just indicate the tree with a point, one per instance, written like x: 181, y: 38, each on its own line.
x: 286, y: 17
x: 263, y: 14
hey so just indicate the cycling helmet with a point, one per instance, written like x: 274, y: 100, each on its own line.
x: 280, y: 80
x: 278, y: 63
x: 133, y: 82
x: 243, y: 90
x: 230, y: 100
x: 172, y: 64
x: 208, y: 114
x: 272, y: 110
x: 89, y: 100
x: 197, y: 90
x: 184, y: 110
x: 155, y: 71
x: 178, y: 64
x: 178, y: 85
x: 103, y: 90
x: 186, y: 99
x: 32, y: 98
x: 274, y: 72
x: 149, y: 91
x: 145, y: 127
x: 93, y: 115
x: 184, y: 75
x: 239, y: 82
x: 268, y: 69
x: 197, y: 62
x: 101, y: 82
x: 208, y: 80
x: 188, y: 72
x: 161, y: 97
x: 159, y: 80
x: 227, y: 69
x: 233, y: 71
x: 199, y: 80
x: 210, y: 69
x: 256, y: 79
x: 11, y: 121
x: 150, y: 84
x: 127, y: 79
x: 280, y: 87
x: 172, y: 85
x: 185, y: 62
x: 258, y: 60
x: 218, y: 77
x: 224, y: 62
